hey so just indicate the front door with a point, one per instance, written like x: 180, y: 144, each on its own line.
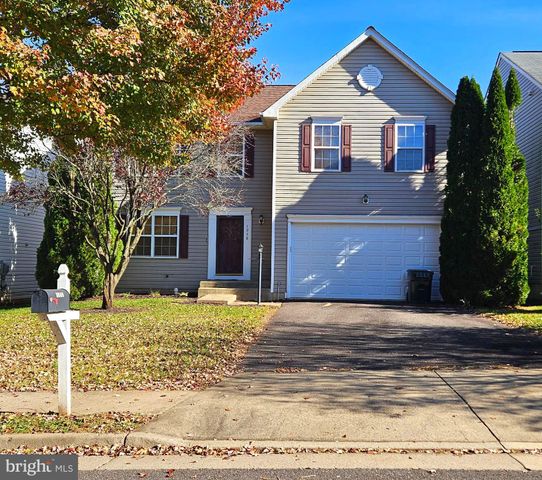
x: 229, y: 245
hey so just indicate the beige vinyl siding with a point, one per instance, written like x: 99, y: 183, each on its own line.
x: 528, y: 120
x: 20, y: 236
x: 145, y: 274
x: 337, y: 93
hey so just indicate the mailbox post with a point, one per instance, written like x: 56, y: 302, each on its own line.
x: 53, y: 306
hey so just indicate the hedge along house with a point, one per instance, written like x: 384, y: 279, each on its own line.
x: 343, y: 186
x: 528, y: 123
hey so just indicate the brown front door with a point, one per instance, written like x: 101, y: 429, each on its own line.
x: 229, y: 245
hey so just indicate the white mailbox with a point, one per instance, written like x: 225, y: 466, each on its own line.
x: 60, y: 323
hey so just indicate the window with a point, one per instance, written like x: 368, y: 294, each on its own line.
x: 160, y: 237
x: 234, y: 157
x: 326, y: 146
x: 410, y: 146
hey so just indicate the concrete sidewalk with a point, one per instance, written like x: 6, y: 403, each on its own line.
x: 85, y: 403
x: 490, y: 409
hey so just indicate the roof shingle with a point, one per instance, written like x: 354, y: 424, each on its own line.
x: 253, y: 106
x: 529, y: 62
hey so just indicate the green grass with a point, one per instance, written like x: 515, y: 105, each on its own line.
x: 525, y: 316
x: 53, y: 423
x: 145, y: 343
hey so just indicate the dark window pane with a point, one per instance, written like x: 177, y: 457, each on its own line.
x: 165, y: 225
x: 143, y: 248
x: 147, y: 228
x: 165, y: 247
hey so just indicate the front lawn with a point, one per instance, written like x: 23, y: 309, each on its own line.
x: 527, y: 316
x: 54, y: 423
x: 145, y: 343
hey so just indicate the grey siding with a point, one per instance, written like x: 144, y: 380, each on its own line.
x: 528, y: 120
x: 20, y: 236
x: 337, y: 93
x: 144, y: 274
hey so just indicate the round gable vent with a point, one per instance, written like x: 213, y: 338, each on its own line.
x: 370, y: 77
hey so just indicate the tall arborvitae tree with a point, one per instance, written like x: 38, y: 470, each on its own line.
x: 65, y: 241
x: 501, y: 243
x: 521, y: 266
x: 458, y: 228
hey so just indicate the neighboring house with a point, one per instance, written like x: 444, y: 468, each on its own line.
x: 345, y: 183
x: 20, y: 236
x: 528, y: 121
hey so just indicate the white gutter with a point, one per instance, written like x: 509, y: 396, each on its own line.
x: 273, y: 205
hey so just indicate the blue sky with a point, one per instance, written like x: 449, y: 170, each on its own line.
x: 448, y: 38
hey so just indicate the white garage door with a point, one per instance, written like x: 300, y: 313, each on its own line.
x: 359, y: 261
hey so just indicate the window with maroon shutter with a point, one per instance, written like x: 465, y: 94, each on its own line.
x: 249, y: 156
x: 305, y: 160
x: 389, y: 148
x: 346, y: 148
x: 183, y: 236
x: 160, y: 237
x: 430, y: 148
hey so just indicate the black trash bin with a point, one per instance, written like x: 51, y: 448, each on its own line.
x: 419, y: 286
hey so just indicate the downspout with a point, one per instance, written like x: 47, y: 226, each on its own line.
x: 273, y: 206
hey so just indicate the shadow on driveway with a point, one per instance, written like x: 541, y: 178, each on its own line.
x: 348, y: 336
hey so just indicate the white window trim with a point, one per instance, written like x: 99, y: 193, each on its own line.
x: 170, y: 212
x: 408, y: 122
x: 247, y: 243
x: 318, y: 122
x: 243, y: 163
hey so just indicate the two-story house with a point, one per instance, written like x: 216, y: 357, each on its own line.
x: 528, y: 124
x: 343, y: 188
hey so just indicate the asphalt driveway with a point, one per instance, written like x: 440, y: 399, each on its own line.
x: 349, y: 336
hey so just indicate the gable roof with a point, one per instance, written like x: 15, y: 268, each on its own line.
x: 250, y: 111
x: 370, y: 33
x: 528, y: 63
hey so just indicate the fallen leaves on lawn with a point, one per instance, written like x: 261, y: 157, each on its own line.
x: 112, y: 422
x: 146, y: 343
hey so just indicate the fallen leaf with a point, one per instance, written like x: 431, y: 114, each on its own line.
x: 170, y: 473
x: 142, y: 474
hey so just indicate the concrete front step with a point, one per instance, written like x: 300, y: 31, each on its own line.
x: 217, y: 299
x: 228, y: 284
x: 244, y: 294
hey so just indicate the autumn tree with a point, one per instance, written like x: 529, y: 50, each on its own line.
x: 117, y: 86
x: 144, y: 75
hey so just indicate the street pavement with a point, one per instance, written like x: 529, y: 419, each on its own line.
x: 351, y: 474
x: 316, y: 466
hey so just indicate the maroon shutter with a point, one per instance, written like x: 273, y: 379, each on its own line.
x: 183, y: 236
x: 430, y: 148
x: 389, y: 147
x: 346, y: 148
x: 249, y: 156
x: 305, y: 163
